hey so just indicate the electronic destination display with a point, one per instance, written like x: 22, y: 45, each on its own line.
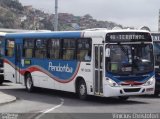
x: 155, y: 36
x: 128, y: 37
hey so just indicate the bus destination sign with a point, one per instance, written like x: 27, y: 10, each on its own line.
x: 128, y: 37
x: 155, y: 36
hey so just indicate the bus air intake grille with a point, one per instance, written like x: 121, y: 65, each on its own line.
x: 129, y: 90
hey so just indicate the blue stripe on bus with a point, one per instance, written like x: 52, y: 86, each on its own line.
x: 46, y: 35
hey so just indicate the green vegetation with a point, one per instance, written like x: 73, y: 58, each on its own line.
x: 15, y: 16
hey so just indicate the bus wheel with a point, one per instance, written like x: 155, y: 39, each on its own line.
x: 1, y: 80
x: 123, y: 98
x: 29, y: 83
x: 82, y: 90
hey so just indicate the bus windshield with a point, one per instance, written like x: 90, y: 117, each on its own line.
x: 157, y: 54
x: 130, y: 59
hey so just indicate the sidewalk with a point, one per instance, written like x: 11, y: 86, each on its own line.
x: 5, y: 98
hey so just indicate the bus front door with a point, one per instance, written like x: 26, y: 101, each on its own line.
x: 98, y: 67
x: 18, y: 56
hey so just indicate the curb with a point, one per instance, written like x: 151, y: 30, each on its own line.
x: 5, y: 98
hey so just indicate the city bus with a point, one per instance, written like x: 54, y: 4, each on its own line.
x: 2, y: 34
x: 105, y: 63
x: 156, y: 44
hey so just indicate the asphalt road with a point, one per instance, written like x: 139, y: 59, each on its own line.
x: 67, y: 105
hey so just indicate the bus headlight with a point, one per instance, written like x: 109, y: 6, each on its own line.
x: 111, y: 82
x: 150, y: 81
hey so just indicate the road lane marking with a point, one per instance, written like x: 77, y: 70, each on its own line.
x: 50, y: 109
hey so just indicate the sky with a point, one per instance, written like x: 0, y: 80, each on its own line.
x: 134, y: 13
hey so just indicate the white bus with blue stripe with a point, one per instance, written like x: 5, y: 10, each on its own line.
x: 106, y: 63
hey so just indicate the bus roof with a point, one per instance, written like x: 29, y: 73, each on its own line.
x: 67, y: 34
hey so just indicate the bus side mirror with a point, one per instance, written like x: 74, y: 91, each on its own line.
x: 107, y: 52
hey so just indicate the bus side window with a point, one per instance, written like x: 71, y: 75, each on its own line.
x: 69, y: 49
x: 84, y: 50
x: 28, y: 48
x: 41, y: 48
x: 10, y: 45
x: 54, y: 47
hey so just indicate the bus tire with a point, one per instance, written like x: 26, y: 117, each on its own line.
x: 82, y: 90
x: 123, y: 98
x: 1, y: 80
x: 29, y: 83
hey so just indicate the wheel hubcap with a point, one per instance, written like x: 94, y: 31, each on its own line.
x: 29, y: 83
x: 82, y: 89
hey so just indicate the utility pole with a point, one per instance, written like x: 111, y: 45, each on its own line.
x: 56, y: 16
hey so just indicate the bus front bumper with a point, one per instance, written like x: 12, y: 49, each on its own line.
x: 128, y: 90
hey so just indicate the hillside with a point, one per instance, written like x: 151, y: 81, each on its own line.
x: 15, y: 15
